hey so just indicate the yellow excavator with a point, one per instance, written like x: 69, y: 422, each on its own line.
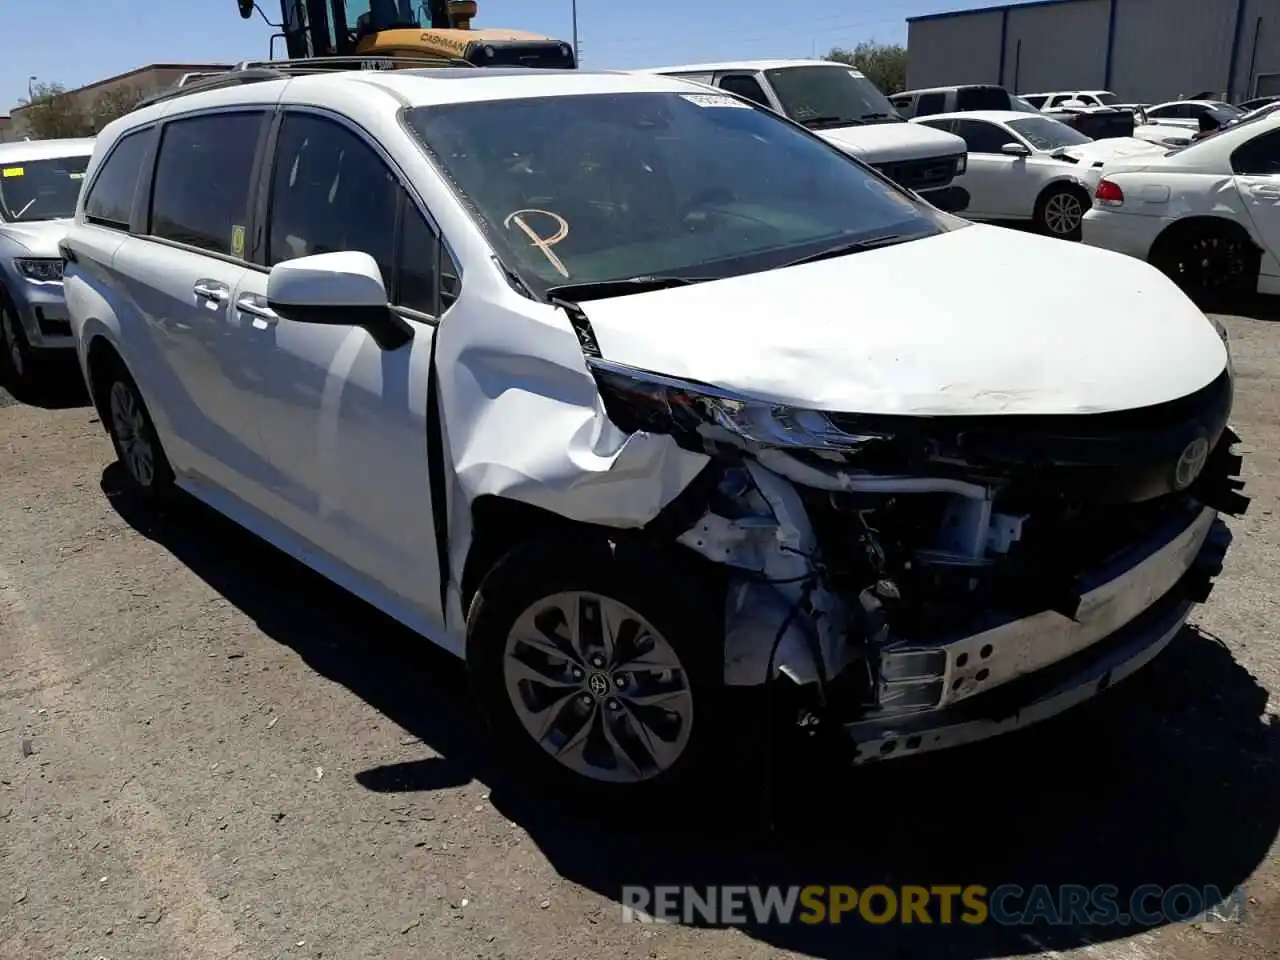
x: 409, y: 29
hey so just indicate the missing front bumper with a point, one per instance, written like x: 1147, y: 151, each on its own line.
x: 1051, y: 689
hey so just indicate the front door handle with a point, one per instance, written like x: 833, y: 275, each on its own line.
x: 213, y: 291
x: 255, y: 305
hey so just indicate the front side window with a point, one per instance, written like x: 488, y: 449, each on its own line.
x: 330, y: 191
x: 931, y: 103
x: 745, y: 85
x: 602, y: 187
x: 1046, y: 133
x: 982, y: 137
x: 203, y: 176
x: 111, y: 196
x: 41, y: 189
x: 823, y: 97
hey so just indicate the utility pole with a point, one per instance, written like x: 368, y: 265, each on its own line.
x: 31, y: 93
x: 577, y: 51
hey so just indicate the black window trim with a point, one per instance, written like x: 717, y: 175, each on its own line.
x: 148, y: 156
x: 760, y: 79
x: 262, y: 211
x: 150, y: 177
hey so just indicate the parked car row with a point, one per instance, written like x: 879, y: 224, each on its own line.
x: 626, y: 390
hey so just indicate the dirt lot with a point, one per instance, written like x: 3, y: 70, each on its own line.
x: 207, y: 752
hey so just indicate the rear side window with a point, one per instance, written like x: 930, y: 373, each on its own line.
x: 1037, y: 102
x: 110, y: 199
x: 931, y: 103
x: 1260, y: 157
x: 203, y: 178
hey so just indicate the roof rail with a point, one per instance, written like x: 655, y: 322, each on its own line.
x: 256, y: 71
x: 308, y: 65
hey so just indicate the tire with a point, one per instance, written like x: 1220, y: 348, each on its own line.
x: 18, y: 361
x: 1060, y: 212
x: 133, y: 434
x: 1208, y: 259
x: 603, y: 734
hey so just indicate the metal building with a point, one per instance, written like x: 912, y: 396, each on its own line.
x: 1144, y: 50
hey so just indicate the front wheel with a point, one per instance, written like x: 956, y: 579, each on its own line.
x: 597, y: 666
x: 17, y: 362
x: 1060, y: 213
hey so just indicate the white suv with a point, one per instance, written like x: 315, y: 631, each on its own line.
x: 645, y: 400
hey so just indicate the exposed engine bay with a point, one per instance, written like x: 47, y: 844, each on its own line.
x: 899, y: 565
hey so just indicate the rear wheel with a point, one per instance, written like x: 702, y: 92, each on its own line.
x: 1208, y: 258
x: 133, y: 434
x: 597, y: 667
x: 1060, y: 212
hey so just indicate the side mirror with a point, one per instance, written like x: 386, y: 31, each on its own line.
x: 1015, y: 150
x: 337, y: 289
x: 246, y: 8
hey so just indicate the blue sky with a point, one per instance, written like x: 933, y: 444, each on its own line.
x: 75, y: 42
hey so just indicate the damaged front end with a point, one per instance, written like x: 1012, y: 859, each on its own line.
x: 925, y: 581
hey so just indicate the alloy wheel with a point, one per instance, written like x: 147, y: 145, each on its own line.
x: 598, y: 687
x: 1213, y: 261
x: 1063, y: 214
x: 129, y: 426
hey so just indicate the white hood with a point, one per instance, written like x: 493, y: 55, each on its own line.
x: 892, y: 142
x: 923, y: 328
x: 1113, y: 148
x: 1159, y: 132
x: 38, y: 238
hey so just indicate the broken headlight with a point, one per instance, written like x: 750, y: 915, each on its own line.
x: 637, y: 400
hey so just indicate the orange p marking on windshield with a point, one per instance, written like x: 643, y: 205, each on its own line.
x: 542, y: 243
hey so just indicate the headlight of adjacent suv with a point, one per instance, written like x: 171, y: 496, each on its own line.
x: 962, y: 164
x: 43, y: 270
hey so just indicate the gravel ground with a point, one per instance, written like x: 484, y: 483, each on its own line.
x: 207, y: 752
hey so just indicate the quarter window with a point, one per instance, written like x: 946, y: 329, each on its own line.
x: 203, y: 179
x: 425, y: 268
x: 330, y: 191
x: 110, y: 199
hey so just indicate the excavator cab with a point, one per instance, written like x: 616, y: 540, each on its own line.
x: 409, y: 28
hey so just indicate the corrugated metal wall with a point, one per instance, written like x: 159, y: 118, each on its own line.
x: 953, y: 50
x: 1166, y: 49
x: 1061, y: 47
x: 1160, y: 49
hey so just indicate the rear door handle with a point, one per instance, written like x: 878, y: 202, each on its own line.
x: 255, y: 305
x: 213, y: 291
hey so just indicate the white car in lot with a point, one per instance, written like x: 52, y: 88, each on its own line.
x: 1030, y: 168
x: 1207, y: 215
x: 39, y: 183
x: 646, y: 401
x: 1075, y: 98
x: 1194, y: 115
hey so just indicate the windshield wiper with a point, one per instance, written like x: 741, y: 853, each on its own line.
x: 830, y: 121
x: 598, y: 289
x: 851, y: 246
x: 880, y: 116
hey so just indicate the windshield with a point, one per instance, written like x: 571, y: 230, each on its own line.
x: 1046, y: 133
x: 41, y: 189
x: 821, y: 97
x: 599, y: 187
x: 1107, y: 99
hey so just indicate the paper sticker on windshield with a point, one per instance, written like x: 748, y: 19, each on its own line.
x: 857, y: 74
x: 76, y: 176
x: 13, y: 171
x: 714, y: 100
x: 237, y: 240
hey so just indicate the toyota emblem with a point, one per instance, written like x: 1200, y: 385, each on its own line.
x: 598, y: 684
x: 1191, y: 463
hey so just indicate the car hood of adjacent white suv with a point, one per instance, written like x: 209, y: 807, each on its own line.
x: 38, y: 238
x: 893, y: 142
x: 922, y: 328
x: 1114, y: 148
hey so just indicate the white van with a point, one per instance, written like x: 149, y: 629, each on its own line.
x: 841, y: 105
